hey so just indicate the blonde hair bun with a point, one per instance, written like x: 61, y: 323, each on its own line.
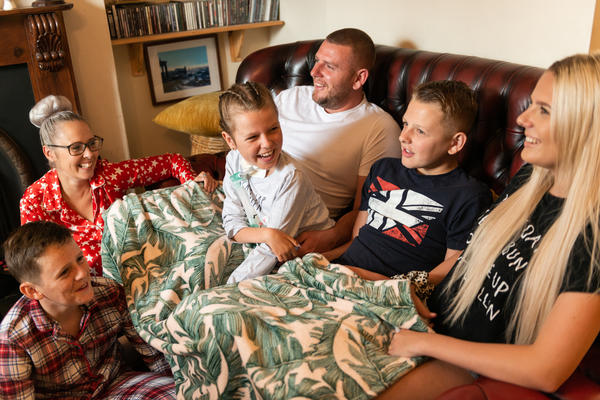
x: 48, y: 106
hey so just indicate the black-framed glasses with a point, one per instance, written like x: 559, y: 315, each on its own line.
x: 77, y: 148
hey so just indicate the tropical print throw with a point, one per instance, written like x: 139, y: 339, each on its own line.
x: 314, y: 330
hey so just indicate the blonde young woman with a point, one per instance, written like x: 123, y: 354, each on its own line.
x: 523, y: 304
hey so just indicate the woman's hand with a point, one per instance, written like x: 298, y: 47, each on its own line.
x: 210, y: 184
x: 406, y: 343
x: 282, y: 245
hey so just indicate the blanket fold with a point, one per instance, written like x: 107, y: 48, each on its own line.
x: 313, y: 330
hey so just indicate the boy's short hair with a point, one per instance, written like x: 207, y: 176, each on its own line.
x: 248, y: 96
x: 362, y: 45
x: 455, y: 98
x: 27, y: 243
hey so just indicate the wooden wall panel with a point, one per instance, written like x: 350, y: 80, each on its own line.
x: 595, y: 39
x: 14, y: 41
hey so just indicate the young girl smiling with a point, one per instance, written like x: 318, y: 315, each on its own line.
x: 268, y: 200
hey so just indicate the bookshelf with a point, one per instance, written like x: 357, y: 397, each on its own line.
x: 235, y: 35
x: 197, y: 32
x: 230, y: 16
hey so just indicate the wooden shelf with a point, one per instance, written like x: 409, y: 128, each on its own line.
x: 36, y: 10
x: 236, y: 38
x: 199, y: 32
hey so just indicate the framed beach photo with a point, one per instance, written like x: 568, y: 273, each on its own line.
x: 182, y: 68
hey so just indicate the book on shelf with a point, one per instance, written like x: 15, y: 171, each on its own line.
x: 131, y: 18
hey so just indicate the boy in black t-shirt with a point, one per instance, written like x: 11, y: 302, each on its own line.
x: 416, y: 212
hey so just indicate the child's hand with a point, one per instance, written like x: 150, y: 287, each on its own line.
x: 282, y: 245
x: 421, y: 307
x: 209, y: 182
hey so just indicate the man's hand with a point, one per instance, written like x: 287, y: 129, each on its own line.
x: 316, y: 241
x: 209, y: 183
x: 282, y: 245
x: 341, y: 233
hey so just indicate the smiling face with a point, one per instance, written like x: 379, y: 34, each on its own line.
x: 64, y: 281
x: 539, y: 148
x: 337, y: 81
x: 427, y: 142
x: 257, y: 136
x: 79, y: 167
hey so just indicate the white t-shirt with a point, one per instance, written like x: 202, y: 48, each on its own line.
x: 333, y: 149
x: 285, y: 199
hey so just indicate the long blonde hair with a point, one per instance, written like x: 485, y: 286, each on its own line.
x: 575, y: 127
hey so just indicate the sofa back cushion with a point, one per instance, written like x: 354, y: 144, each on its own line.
x: 503, y: 89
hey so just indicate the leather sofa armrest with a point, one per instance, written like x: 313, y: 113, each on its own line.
x: 590, y: 365
x: 577, y: 387
x: 9, y: 290
x: 490, y: 389
x: 214, y: 164
x: 211, y: 163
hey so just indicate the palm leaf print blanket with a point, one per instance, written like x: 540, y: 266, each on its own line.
x: 314, y: 330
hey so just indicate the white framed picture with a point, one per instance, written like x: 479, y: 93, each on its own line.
x: 183, y: 68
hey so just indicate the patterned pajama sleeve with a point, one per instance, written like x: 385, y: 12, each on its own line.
x: 145, y: 171
x: 141, y: 386
x: 15, y: 373
x: 43, y: 200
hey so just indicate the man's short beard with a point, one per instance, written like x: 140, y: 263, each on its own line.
x: 331, y: 102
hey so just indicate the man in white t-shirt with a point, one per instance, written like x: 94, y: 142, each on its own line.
x: 334, y: 133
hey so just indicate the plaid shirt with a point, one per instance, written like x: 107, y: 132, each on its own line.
x: 43, y: 200
x: 39, y: 360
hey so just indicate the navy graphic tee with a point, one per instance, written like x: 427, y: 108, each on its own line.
x: 413, y: 218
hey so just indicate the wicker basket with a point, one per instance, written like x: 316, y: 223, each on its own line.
x: 207, y: 144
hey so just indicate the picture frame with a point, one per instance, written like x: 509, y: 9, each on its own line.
x: 182, y: 68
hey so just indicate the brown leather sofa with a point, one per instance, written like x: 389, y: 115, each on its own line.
x: 492, y: 154
x: 503, y: 91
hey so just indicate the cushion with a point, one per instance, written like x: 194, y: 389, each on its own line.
x: 197, y: 115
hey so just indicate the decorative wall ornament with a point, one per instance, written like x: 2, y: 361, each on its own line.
x: 49, y: 51
x: 9, y: 5
x: 46, y: 3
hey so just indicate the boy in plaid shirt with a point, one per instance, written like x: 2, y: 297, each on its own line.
x: 60, y: 340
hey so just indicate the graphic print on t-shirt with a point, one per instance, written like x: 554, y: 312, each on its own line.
x: 504, y: 273
x: 401, y: 213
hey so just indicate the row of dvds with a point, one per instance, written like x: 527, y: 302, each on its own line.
x: 138, y: 19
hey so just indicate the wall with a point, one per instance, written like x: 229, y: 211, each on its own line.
x: 535, y: 32
x: 137, y: 102
x: 119, y: 107
x: 116, y: 103
x: 95, y: 74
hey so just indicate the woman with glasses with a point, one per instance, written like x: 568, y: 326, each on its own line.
x: 80, y: 186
